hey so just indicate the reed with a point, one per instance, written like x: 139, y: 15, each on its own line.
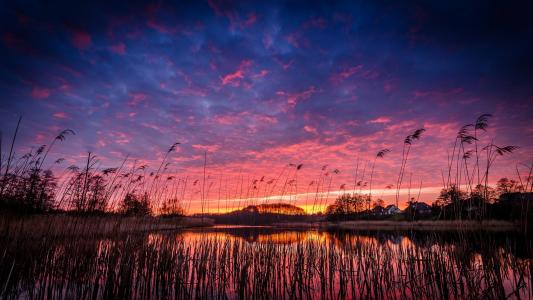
x: 478, y: 192
x: 380, y: 154
x: 286, y: 265
x: 28, y: 182
x: 407, y: 143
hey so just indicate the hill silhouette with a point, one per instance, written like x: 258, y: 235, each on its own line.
x: 261, y: 214
x: 273, y: 208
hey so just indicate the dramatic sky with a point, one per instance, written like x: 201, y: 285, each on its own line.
x: 259, y: 86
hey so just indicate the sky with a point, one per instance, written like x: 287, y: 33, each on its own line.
x: 256, y: 86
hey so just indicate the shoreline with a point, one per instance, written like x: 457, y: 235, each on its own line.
x: 426, y: 225
x: 104, y: 225
x: 107, y: 225
x: 388, y: 225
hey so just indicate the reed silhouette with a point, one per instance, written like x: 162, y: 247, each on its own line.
x: 97, y: 233
x: 263, y: 263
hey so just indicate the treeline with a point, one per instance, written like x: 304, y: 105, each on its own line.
x: 510, y: 200
x: 28, y: 185
x: 466, y: 192
x: 264, y: 214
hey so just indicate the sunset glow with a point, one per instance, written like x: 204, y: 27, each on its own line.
x: 253, y: 90
x: 223, y: 149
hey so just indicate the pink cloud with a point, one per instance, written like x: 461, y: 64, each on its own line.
x: 40, y: 93
x: 295, y: 39
x: 39, y: 138
x: 191, y: 91
x: 81, y: 39
x: 246, y: 117
x: 120, y: 138
x: 153, y: 22
x: 101, y: 143
x: 223, y: 8
x: 136, y: 98
x: 284, y: 65
x: 235, y: 77
x: 120, y: 115
x: 208, y: 148
x: 294, y: 98
x: 469, y: 101
x: 119, y: 48
x: 226, y: 119
x: 345, y: 74
x: 438, y: 93
x: 380, y: 120
x: 403, y: 125
x: 252, y: 18
x: 267, y: 119
x: 65, y: 87
x: 370, y: 74
x: 310, y: 129
x: 152, y: 126
x: 61, y: 115
x: 261, y: 74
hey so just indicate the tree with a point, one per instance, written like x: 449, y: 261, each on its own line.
x: 505, y: 185
x: 484, y: 194
x: 450, y: 196
x: 348, y: 204
x: 378, y: 202
x: 134, y: 205
x: 450, y: 201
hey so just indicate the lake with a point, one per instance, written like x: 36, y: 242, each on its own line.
x: 235, y: 262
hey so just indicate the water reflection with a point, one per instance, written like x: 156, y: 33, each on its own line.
x: 256, y: 234
x: 262, y: 262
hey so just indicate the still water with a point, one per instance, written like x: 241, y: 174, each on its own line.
x: 268, y: 263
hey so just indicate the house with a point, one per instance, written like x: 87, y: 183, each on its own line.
x: 391, y: 210
x: 378, y: 210
x: 419, y: 208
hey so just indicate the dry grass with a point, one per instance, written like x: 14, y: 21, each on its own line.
x: 105, y: 225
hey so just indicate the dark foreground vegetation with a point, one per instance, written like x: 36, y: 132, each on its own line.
x: 87, y: 198
x: 261, y: 264
x: 91, y: 226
